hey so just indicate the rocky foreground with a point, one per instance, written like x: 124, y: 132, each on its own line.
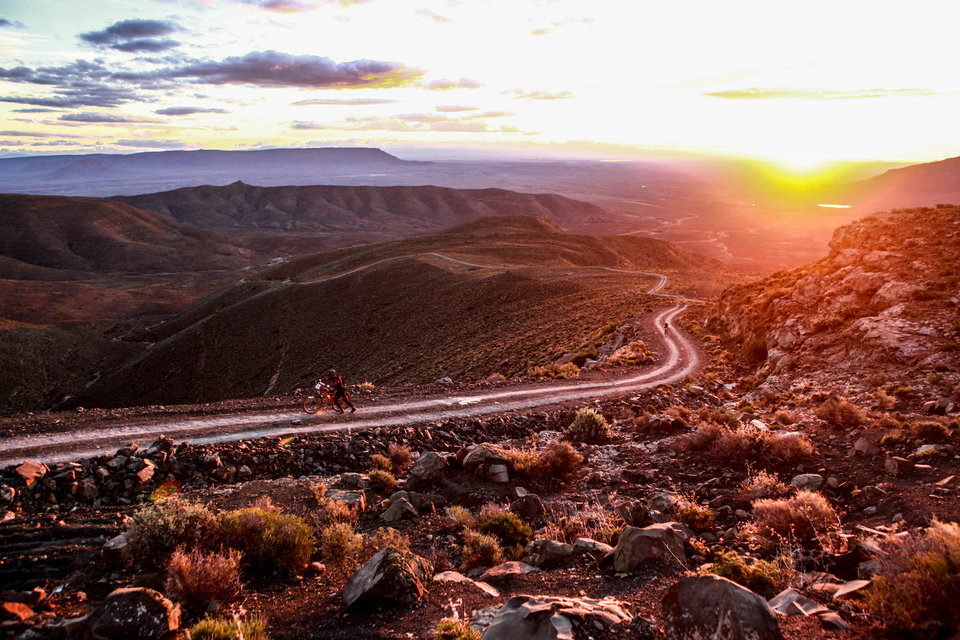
x: 803, y: 489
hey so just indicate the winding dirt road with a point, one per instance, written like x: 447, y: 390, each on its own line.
x: 679, y: 360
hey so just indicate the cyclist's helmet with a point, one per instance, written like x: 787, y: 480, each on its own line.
x: 332, y: 372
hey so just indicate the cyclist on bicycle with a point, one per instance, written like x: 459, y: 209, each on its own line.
x: 335, y: 382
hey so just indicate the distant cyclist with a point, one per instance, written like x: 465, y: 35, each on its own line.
x: 666, y: 326
x: 335, y: 382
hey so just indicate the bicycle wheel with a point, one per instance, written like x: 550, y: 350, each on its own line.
x: 311, y: 404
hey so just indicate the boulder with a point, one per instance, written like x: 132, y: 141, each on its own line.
x: 116, y: 552
x: 503, y: 573
x: 546, y: 617
x: 429, y: 466
x: 134, y: 612
x: 420, y: 501
x: 355, y: 499
x: 661, y: 541
x: 808, y: 481
x: 31, y: 471
x: 7, y: 493
x: 592, y: 547
x: 712, y: 607
x: 866, y: 447
x: 499, y: 473
x: 545, y: 553
x: 477, y: 458
x: 398, y: 510
x: 16, y: 611
x: 897, y: 466
x: 455, y: 576
x: 389, y: 576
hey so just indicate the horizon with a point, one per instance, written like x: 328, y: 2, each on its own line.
x: 799, y: 86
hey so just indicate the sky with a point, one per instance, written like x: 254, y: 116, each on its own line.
x: 797, y: 82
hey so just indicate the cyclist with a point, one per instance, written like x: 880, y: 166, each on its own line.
x: 666, y: 326
x: 335, y: 382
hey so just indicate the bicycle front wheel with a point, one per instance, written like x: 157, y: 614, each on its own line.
x: 311, y: 404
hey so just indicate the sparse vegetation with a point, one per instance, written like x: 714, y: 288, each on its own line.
x: 162, y: 527
x: 381, y: 462
x: 399, y: 455
x: 804, y: 516
x: 840, y: 412
x: 455, y: 629
x: 588, y: 426
x: 382, y: 481
x: 916, y: 586
x: 696, y: 516
x: 268, y: 538
x: 558, y: 460
x: 390, y: 537
x: 462, y: 517
x: 555, y: 371
x: 340, y: 546
x: 731, y: 446
x: 762, y: 485
x: 930, y: 430
x: 215, y: 628
x: 197, y: 577
x: 480, y: 550
x: 760, y: 576
x: 507, y: 528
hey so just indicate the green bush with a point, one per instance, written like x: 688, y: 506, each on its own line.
x: 382, y: 481
x: 507, y: 528
x: 381, y: 462
x: 588, y: 426
x: 930, y: 430
x: 160, y: 528
x: 915, y: 589
x: 696, y: 516
x: 340, y: 546
x: 269, y: 539
x: 253, y: 628
x: 480, y: 550
x: 197, y: 577
x: 454, y: 629
x: 762, y: 577
x: 461, y: 516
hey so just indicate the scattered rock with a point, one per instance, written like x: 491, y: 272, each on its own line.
x: 429, y: 466
x: 851, y: 590
x: 808, y: 481
x: 700, y: 607
x: 31, y: 471
x: 529, y: 508
x: 390, y: 575
x: 398, y: 510
x: 116, y: 552
x: 499, y: 473
x: 544, y: 553
x: 535, y: 617
x: 592, y: 547
x: 660, y: 541
x: 866, y: 447
x: 15, y: 611
x: 790, y: 602
x: 502, y: 573
x: 454, y: 576
x: 133, y: 612
x: 832, y: 621
x: 897, y: 466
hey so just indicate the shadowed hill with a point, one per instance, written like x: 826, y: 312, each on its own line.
x: 926, y: 184
x: 401, y: 211
x: 51, y: 237
x: 397, y: 312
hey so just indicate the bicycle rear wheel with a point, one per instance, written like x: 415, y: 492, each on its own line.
x: 311, y: 404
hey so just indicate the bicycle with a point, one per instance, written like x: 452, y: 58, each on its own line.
x: 322, y: 395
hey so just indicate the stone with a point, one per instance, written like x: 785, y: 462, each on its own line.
x: 355, y: 499
x: 708, y: 606
x: 660, y: 541
x: 758, y: 425
x: 391, y: 576
x: 429, y: 466
x: 477, y: 458
x: 445, y: 380
x: 546, y: 617
x: 116, y: 552
x: 88, y: 490
x: 455, y: 576
x: 146, y: 474
x: 832, y: 621
x: 897, y: 466
x: 663, y: 501
x: 499, y: 473
x: 351, y: 480
x: 851, y: 590
x: 15, y: 611
x: 211, y: 461
x: 592, y: 547
x: 133, y: 612
x: 866, y: 447
x: 529, y: 508
x: 503, y: 573
x: 398, y: 510
x: 31, y: 471
x: 790, y: 602
x: 7, y: 493
x: 545, y: 553
x: 808, y: 481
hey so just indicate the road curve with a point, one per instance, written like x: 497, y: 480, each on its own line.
x: 681, y: 359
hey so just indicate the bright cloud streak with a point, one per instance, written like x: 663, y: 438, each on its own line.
x: 801, y: 82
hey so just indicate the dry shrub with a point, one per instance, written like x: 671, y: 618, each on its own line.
x: 162, y: 527
x: 381, y: 462
x: 566, y: 523
x: 892, y: 438
x: 805, y: 517
x: 390, y: 537
x: 719, y: 415
x: 558, y: 460
x: 399, y: 455
x: 703, y: 438
x: 840, y: 413
x: 480, y: 550
x: 930, y: 430
x: 251, y: 628
x: 915, y: 589
x: 696, y: 516
x: 789, y: 447
x: 746, y: 444
x: 506, y: 527
x: 784, y: 418
x: 762, y: 485
x: 555, y: 371
x: 455, y: 629
x: 382, y: 481
x: 760, y: 576
x: 340, y: 546
x: 196, y: 577
x: 268, y: 538
x: 588, y: 426
x: 333, y: 511
x: 461, y: 516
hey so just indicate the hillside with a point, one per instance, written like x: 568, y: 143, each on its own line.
x: 51, y: 238
x: 397, y: 211
x: 926, y: 184
x: 882, y: 306
x: 406, y: 311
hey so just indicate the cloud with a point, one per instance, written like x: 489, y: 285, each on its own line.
x: 357, y: 102
x: 543, y: 95
x: 301, y: 125
x: 134, y: 36
x: 188, y: 111
x: 32, y: 134
x: 151, y: 144
x: 95, y: 117
x: 274, y: 69
x: 432, y: 15
x: 556, y: 24
x: 291, y: 6
x: 757, y: 93
x: 11, y: 24
x: 462, y: 83
x: 35, y: 110
x: 454, y: 108
x: 411, y: 122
